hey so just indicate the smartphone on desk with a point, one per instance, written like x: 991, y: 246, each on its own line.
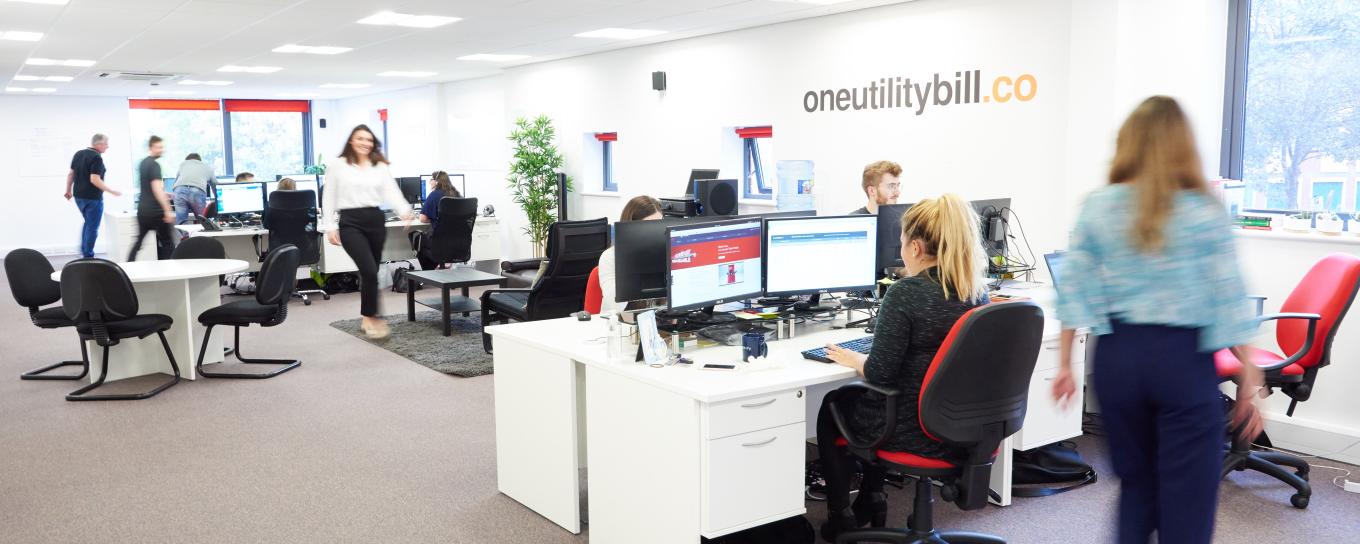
x: 716, y: 366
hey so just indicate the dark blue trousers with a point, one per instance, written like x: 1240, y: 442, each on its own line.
x: 1164, y: 420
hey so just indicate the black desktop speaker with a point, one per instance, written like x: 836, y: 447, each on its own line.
x: 716, y: 196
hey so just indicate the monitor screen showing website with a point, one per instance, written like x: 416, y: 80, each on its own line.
x: 820, y: 254
x: 712, y: 263
x: 240, y: 198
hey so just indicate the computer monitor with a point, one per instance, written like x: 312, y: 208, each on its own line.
x: 640, y: 257
x: 1054, y: 261
x: 296, y: 177
x: 995, y: 229
x: 814, y: 255
x: 777, y: 215
x: 713, y: 263
x: 301, y: 185
x: 698, y: 174
x: 240, y: 197
x: 889, y: 237
x: 411, y: 189
x: 169, y: 185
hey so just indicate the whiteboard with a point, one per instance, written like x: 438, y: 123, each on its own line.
x: 45, y: 152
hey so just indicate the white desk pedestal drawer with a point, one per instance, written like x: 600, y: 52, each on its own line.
x: 753, y: 478
x: 1045, y: 421
x: 753, y: 414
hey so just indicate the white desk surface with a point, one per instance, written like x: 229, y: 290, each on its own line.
x: 178, y: 269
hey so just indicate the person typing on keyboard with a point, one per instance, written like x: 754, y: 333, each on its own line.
x: 943, y: 259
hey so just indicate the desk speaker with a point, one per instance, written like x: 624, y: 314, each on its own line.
x: 717, y: 197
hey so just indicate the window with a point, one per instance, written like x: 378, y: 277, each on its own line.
x: 269, y: 137
x: 187, y: 126
x: 263, y: 137
x: 607, y: 139
x: 753, y: 167
x: 1292, y: 111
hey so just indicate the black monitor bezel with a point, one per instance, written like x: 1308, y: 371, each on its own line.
x: 625, y: 273
x: 670, y: 300
x: 890, y: 235
x: 765, y: 262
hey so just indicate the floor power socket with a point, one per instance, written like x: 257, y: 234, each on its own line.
x: 1353, y: 487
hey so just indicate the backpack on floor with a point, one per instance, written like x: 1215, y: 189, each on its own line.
x: 399, y: 277
x: 794, y: 530
x: 1049, y: 470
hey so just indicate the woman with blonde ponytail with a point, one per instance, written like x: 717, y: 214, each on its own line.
x: 1157, y: 278
x: 944, y: 260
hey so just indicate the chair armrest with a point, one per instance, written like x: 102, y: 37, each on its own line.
x: 521, y: 264
x: 1260, y: 304
x: 1307, y: 341
x: 890, y: 421
x: 487, y: 293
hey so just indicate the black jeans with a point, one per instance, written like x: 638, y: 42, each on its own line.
x: 164, y: 243
x: 838, y: 466
x: 362, y: 234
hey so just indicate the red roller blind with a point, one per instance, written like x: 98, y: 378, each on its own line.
x: 148, y: 104
x: 298, y: 106
x: 607, y: 136
x: 755, y: 132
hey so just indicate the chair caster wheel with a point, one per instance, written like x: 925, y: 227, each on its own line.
x: 1299, y: 501
x: 306, y: 302
x: 325, y: 297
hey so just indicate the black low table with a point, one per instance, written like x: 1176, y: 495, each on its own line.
x: 461, y: 278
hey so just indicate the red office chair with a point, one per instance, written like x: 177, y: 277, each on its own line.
x: 1308, y: 320
x: 594, y: 296
x: 974, y: 395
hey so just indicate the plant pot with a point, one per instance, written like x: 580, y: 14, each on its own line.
x: 1297, y: 224
x: 1330, y: 225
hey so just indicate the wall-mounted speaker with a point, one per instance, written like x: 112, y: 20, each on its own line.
x: 716, y: 196
x: 322, y: 124
x: 658, y: 81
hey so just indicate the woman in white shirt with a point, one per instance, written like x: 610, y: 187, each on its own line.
x: 358, y: 182
x: 640, y: 208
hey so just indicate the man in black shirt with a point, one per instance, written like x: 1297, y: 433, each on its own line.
x: 85, y: 183
x: 154, y: 211
x: 881, y: 186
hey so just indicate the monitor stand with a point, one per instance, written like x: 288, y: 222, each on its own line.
x: 813, y: 304
x: 706, y: 316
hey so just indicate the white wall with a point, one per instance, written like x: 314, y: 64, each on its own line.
x: 40, y: 135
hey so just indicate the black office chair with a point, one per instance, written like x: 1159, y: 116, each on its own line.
x: 273, y: 290
x: 30, y: 280
x: 199, y: 247
x: 574, y: 249
x: 451, y: 239
x: 291, y: 220
x: 973, y: 397
x: 97, y: 295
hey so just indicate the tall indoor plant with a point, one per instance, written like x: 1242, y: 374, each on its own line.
x: 533, y: 176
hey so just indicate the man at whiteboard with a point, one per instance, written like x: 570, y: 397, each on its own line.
x: 85, y: 182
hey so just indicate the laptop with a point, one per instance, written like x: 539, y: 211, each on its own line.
x: 1054, y: 261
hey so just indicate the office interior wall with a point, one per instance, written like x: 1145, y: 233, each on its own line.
x: 38, y: 136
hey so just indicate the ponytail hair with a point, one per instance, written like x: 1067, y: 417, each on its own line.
x: 947, y: 227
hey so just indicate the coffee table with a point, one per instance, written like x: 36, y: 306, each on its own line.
x: 461, y: 278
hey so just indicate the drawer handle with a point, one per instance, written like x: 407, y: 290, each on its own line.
x: 759, y: 404
x: 1050, y: 348
x: 755, y: 444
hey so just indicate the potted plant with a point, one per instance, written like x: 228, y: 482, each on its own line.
x: 1299, y: 222
x: 1329, y: 223
x: 533, y: 176
x: 319, y: 168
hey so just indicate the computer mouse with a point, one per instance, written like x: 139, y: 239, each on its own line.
x: 581, y: 315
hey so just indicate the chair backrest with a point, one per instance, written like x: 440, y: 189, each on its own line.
x: 97, y: 291
x: 291, y: 220
x: 451, y: 240
x: 30, y: 278
x: 1327, y: 290
x: 199, y: 247
x: 594, y: 295
x: 574, y: 249
x: 278, y: 275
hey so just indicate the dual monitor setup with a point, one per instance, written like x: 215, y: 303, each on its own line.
x: 253, y: 196
x: 415, y: 189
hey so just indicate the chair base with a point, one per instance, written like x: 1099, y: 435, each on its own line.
x: 82, y: 394
x: 908, y: 536
x: 1275, y: 465
x: 306, y: 301
x: 284, y: 364
x: 41, y: 373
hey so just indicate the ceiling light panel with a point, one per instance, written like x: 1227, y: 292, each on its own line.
x: 250, y: 69
x: 37, y: 61
x: 48, y: 2
x: 408, y: 20
x: 401, y: 73
x: 44, y: 89
x: 16, y: 89
x: 312, y: 49
x: 492, y: 57
x: 621, y: 33
x: 20, y: 36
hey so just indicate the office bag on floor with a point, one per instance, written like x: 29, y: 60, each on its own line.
x: 1049, y: 470
x: 794, y: 530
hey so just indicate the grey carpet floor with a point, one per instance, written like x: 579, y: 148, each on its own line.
x: 360, y: 445
x: 423, y: 342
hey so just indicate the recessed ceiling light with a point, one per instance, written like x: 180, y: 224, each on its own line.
x: 27, y: 78
x: 16, y: 89
x: 250, y: 69
x: 345, y: 85
x: 214, y: 82
x: 400, y: 73
x: 58, y: 79
x: 175, y: 93
x: 312, y: 49
x: 408, y: 20
x: 621, y: 33
x: 18, y: 36
x: 36, y: 61
x: 43, y: 90
x: 492, y: 57
x: 48, y: 2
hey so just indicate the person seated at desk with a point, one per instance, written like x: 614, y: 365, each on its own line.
x: 244, y: 177
x: 640, y: 208
x: 287, y: 184
x: 881, y: 185
x: 429, y: 213
x: 943, y: 259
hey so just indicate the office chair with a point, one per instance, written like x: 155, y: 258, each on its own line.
x: 273, y: 290
x: 291, y: 220
x: 97, y: 295
x: 574, y: 249
x: 973, y: 397
x: 199, y: 247
x: 594, y: 295
x: 451, y: 238
x: 1308, y: 320
x: 30, y: 280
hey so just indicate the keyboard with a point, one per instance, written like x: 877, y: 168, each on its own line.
x: 861, y: 345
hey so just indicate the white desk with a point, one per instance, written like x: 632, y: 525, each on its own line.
x: 181, y: 289
x: 677, y: 453
x: 486, y: 245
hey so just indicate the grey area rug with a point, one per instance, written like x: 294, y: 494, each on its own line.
x: 423, y: 342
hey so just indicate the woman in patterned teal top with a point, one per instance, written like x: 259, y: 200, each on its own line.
x: 1153, y: 271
